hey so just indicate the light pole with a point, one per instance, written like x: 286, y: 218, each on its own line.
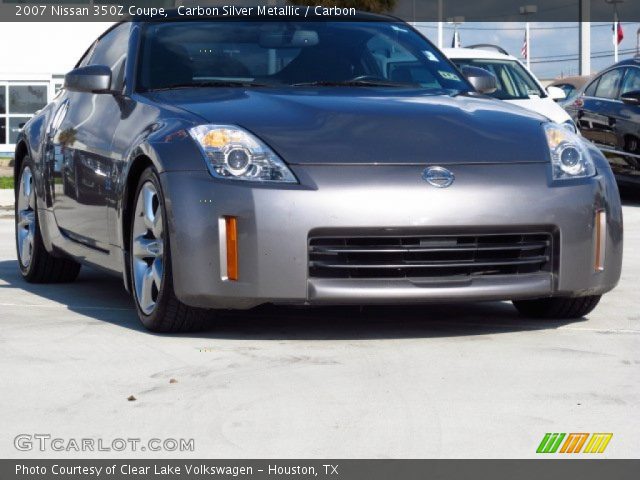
x: 440, y: 29
x: 527, y: 10
x: 615, y: 27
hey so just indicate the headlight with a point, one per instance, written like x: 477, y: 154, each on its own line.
x: 569, y: 155
x: 571, y: 126
x: 233, y: 153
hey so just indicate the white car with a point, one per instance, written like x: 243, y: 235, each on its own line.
x: 516, y: 84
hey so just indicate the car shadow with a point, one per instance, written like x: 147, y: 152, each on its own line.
x: 102, y: 297
x: 630, y: 196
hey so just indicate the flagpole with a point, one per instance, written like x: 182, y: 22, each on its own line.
x: 440, y: 25
x: 614, y: 36
x: 615, y: 41
x: 525, y: 11
x: 527, y: 39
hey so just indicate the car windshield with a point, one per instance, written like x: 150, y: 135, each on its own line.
x: 514, y: 82
x: 183, y: 54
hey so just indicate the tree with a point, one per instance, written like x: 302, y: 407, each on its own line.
x: 377, y: 6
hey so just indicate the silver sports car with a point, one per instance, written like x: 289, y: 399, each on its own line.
x: 224, y: 164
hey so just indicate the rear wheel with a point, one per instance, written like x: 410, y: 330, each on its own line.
x: 557, y: 307
x: 158, y: 307
x: 36, y: 264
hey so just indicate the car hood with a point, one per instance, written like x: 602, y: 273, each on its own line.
x: 371, y: 126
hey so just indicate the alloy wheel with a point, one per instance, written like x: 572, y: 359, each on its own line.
x: 148, y: 248
x: 26, y: 221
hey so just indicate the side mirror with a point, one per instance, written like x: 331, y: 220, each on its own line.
x: 631, y: 98
x: 482, y: 80
x: 556, y: 93
x: 92, y: 79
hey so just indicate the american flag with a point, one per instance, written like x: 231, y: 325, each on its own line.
x: 524, y: 53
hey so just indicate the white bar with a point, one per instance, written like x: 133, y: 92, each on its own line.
x: 222, y: 246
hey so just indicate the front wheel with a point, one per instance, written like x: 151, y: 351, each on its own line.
x: 158, y: 307
x: 557, y: 307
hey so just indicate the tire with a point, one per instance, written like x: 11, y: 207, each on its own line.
x: 158, y: 307
x: 35, y: 263
x: 557, y: 307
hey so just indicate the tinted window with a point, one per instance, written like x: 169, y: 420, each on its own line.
x: 631, y: 81
x: 590, y: 91
x: 286, y: 53
x: 111, y: 50
x: 514, y: 82
x: 609, y: 84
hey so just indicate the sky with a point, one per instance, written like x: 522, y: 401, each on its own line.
x: 554, y: 45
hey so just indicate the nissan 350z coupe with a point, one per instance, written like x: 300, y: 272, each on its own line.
x: 224, y: 164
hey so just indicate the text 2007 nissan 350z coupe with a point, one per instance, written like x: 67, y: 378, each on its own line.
x: 224, y: 164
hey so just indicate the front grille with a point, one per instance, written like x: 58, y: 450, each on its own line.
x: 427, y: 256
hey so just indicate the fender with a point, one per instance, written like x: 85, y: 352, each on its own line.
x: 166, y: 147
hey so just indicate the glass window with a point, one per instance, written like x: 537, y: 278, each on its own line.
x: 514, y: 82
x: 631, y: 81
x: 3, y: 99
x: 111, y: 50
x: 590, y: 91
x: 3, y: 130
x: 209, y: 53
x: 609, y: 83
x: 15, y: 125
x: 27, y: 98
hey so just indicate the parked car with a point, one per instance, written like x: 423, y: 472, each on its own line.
x: 249, y: 162
x: 570, y: 86
x: 516, y: 84
x: 607, y: 112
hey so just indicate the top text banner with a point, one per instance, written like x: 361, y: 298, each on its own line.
x: 457, y: 11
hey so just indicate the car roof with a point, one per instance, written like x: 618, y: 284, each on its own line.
x: 577, y: 80
x: 476, y: 53
x: 635, y: 61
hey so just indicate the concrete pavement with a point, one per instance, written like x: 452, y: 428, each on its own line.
x: 439, y: 381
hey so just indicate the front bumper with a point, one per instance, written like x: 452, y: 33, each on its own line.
x: 274, y: 224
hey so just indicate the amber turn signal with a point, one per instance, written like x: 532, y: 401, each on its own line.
x: 231, y: 224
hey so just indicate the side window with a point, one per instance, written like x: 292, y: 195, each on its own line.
x: 609, y: 84
x: 590, y: 91
x: 111, y: 50
x: 631, y: 82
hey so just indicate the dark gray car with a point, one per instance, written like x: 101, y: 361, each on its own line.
x: 227, y: 164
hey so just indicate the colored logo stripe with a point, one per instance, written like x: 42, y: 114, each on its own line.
x: 550, y: 443
x: 574, y: 443
x: 598, y: 442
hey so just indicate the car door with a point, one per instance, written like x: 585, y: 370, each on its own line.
x: 627, y: 127
x: 596, y: 113
x: 82, y: 144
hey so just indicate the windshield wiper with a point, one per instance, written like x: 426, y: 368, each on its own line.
x: 210, y: 83
x: 355, y: 83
